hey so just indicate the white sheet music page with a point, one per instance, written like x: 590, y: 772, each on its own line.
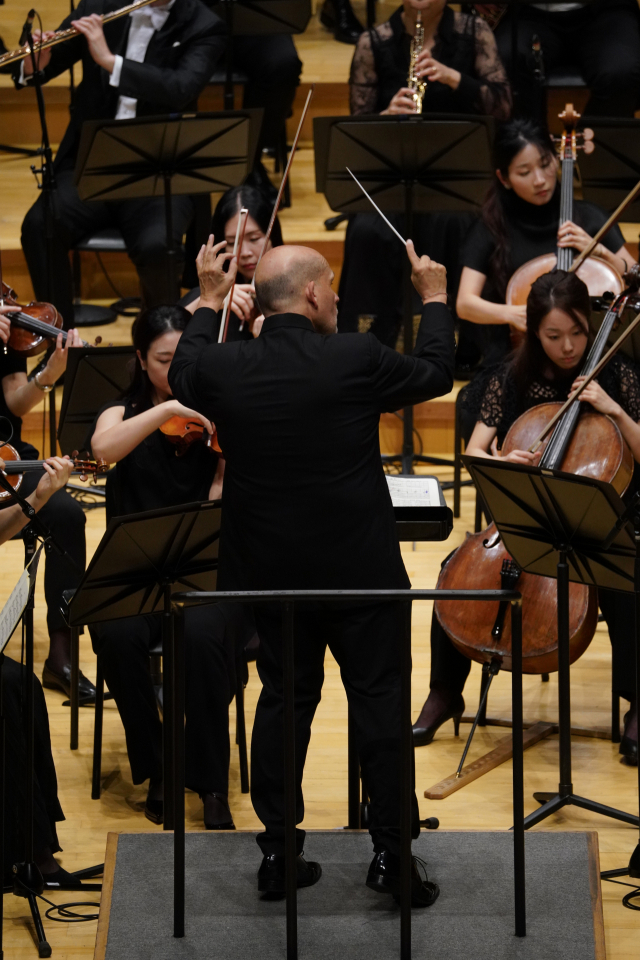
x: 414, y: 491
x: 13, y: 608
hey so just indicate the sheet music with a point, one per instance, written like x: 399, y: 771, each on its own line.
x: 414, y: 491
x: 13, y: 608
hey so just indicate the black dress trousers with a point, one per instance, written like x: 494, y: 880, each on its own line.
x: 123, y: 646
x: 601, y: 39
x: 365, y: 641
x: 273, y: 68
x: 66, y: 520
x: 141, y: 222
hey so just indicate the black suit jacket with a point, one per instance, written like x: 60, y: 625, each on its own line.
x: 306, y: 504
x: 180, y: 59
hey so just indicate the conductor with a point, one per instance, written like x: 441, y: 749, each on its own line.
x: 306, y: 506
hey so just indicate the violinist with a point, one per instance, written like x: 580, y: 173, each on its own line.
x: 225, y: 224
x: 519, y: 221
x: 62, y: 514
x: 149, y: 475
x: 464, y: 74
x: 545, y: 369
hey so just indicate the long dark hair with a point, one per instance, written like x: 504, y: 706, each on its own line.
x: 561, y: 290
x: 150, y: 325
x: 511, y: 138
x: 231, y: 202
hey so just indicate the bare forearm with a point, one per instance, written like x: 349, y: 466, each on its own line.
x: 116, y: 442
x: 478, y: 310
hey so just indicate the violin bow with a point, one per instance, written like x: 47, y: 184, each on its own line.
x: 237, y: 245
x: 583, y: 386
x: 630, y: 197
x: 374, y: 204
x: 283, y: 183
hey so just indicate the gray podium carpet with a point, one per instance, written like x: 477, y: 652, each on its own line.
x: 339, y: 918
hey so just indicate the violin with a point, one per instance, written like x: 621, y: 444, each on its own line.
x: 15, y: 469
x: 184, y: 432
x: 585, y: 443
x: 34, y: 326
x: 598, y: 275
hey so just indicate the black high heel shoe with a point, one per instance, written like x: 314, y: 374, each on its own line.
x: 338, y: 16
x: 424, y: 735
x: 628, y: 747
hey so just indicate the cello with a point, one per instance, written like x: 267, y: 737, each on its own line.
x: 596, y: 273
x: 586, y: 443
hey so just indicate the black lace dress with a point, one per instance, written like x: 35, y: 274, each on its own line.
x: 463, y: 42
x: 494, y: 400
x: 370, y: 284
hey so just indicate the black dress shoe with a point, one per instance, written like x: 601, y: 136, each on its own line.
x: 271, y: 879
x: 154, y: 810
x: 424, y: 735
x: 338, y: 16
x: 53, y: 680
x: 217, y: 815
x: 384, y: 877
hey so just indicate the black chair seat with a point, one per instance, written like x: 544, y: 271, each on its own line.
x: 220, y: 76
x: 103, y: 241
x: 565, y: 77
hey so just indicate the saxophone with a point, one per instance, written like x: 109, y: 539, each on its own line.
x: 415, y: 83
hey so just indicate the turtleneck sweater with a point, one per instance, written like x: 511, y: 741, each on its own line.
x: 531, y: 232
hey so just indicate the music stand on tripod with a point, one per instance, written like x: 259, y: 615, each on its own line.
x: 566, y: 527
x: 409, y: 164
x: 166, y: 156
x: 140, y: 558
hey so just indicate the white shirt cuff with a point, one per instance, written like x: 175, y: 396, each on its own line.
x: 114, y: 79
x: 21, y: 78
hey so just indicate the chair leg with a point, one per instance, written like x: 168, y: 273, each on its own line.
x: 478, y: 517
x: 75, y: 692
x: 96, y: 786
x: 615, y: 718
x: 76, y: 271
x: 457, y: 464
x: 241, y: 736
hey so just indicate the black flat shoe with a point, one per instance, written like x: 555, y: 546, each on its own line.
x: 62, y: 681
x: 384, y: 877
x: 338, y: 16
x: 424, y: 735
x: 217, y: 815
x: 271, y: 879
x: 629, y: 751
x: 154, y: 810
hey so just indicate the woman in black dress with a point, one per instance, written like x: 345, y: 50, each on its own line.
x: 62, y: 514
x: 464, y: 75
x: 224, y: 223
x: 520, y: 220
x: 545, y: 369
x: 149, y: 475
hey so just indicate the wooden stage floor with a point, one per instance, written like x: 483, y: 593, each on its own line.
x: 485, y: 804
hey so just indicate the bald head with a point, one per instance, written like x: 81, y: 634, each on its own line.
x: 291, y: 279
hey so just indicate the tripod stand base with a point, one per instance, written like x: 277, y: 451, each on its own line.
x: 44, y: 948
x: 633, y: 870
x: 556, y: 801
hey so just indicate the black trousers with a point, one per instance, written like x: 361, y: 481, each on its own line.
x: 66, y: 520
x: 604, y: 44
x: 374, y: 260
x: 365, y: 642
x: 141, y: 222
x: 450, y: 668
x: 123, y: 646
x: 46, y: 806
x: 274, y: 69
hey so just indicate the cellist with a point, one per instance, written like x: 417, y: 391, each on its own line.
x: 519, y: 221
x: 545, y: 369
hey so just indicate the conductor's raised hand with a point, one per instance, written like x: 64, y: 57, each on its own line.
x: 428, y: 277
x: 215, y: 283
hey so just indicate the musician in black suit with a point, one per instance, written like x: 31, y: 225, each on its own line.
x: 154, y: 61
x: 306, y: 505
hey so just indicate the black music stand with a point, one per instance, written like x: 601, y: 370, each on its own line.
x: 164, y: 156
x: 257, y: 18
x: 570, y: 528
x: 93, y: 377
x: 613, y: 169
x: 409, y: 164
x: 137, y: 562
